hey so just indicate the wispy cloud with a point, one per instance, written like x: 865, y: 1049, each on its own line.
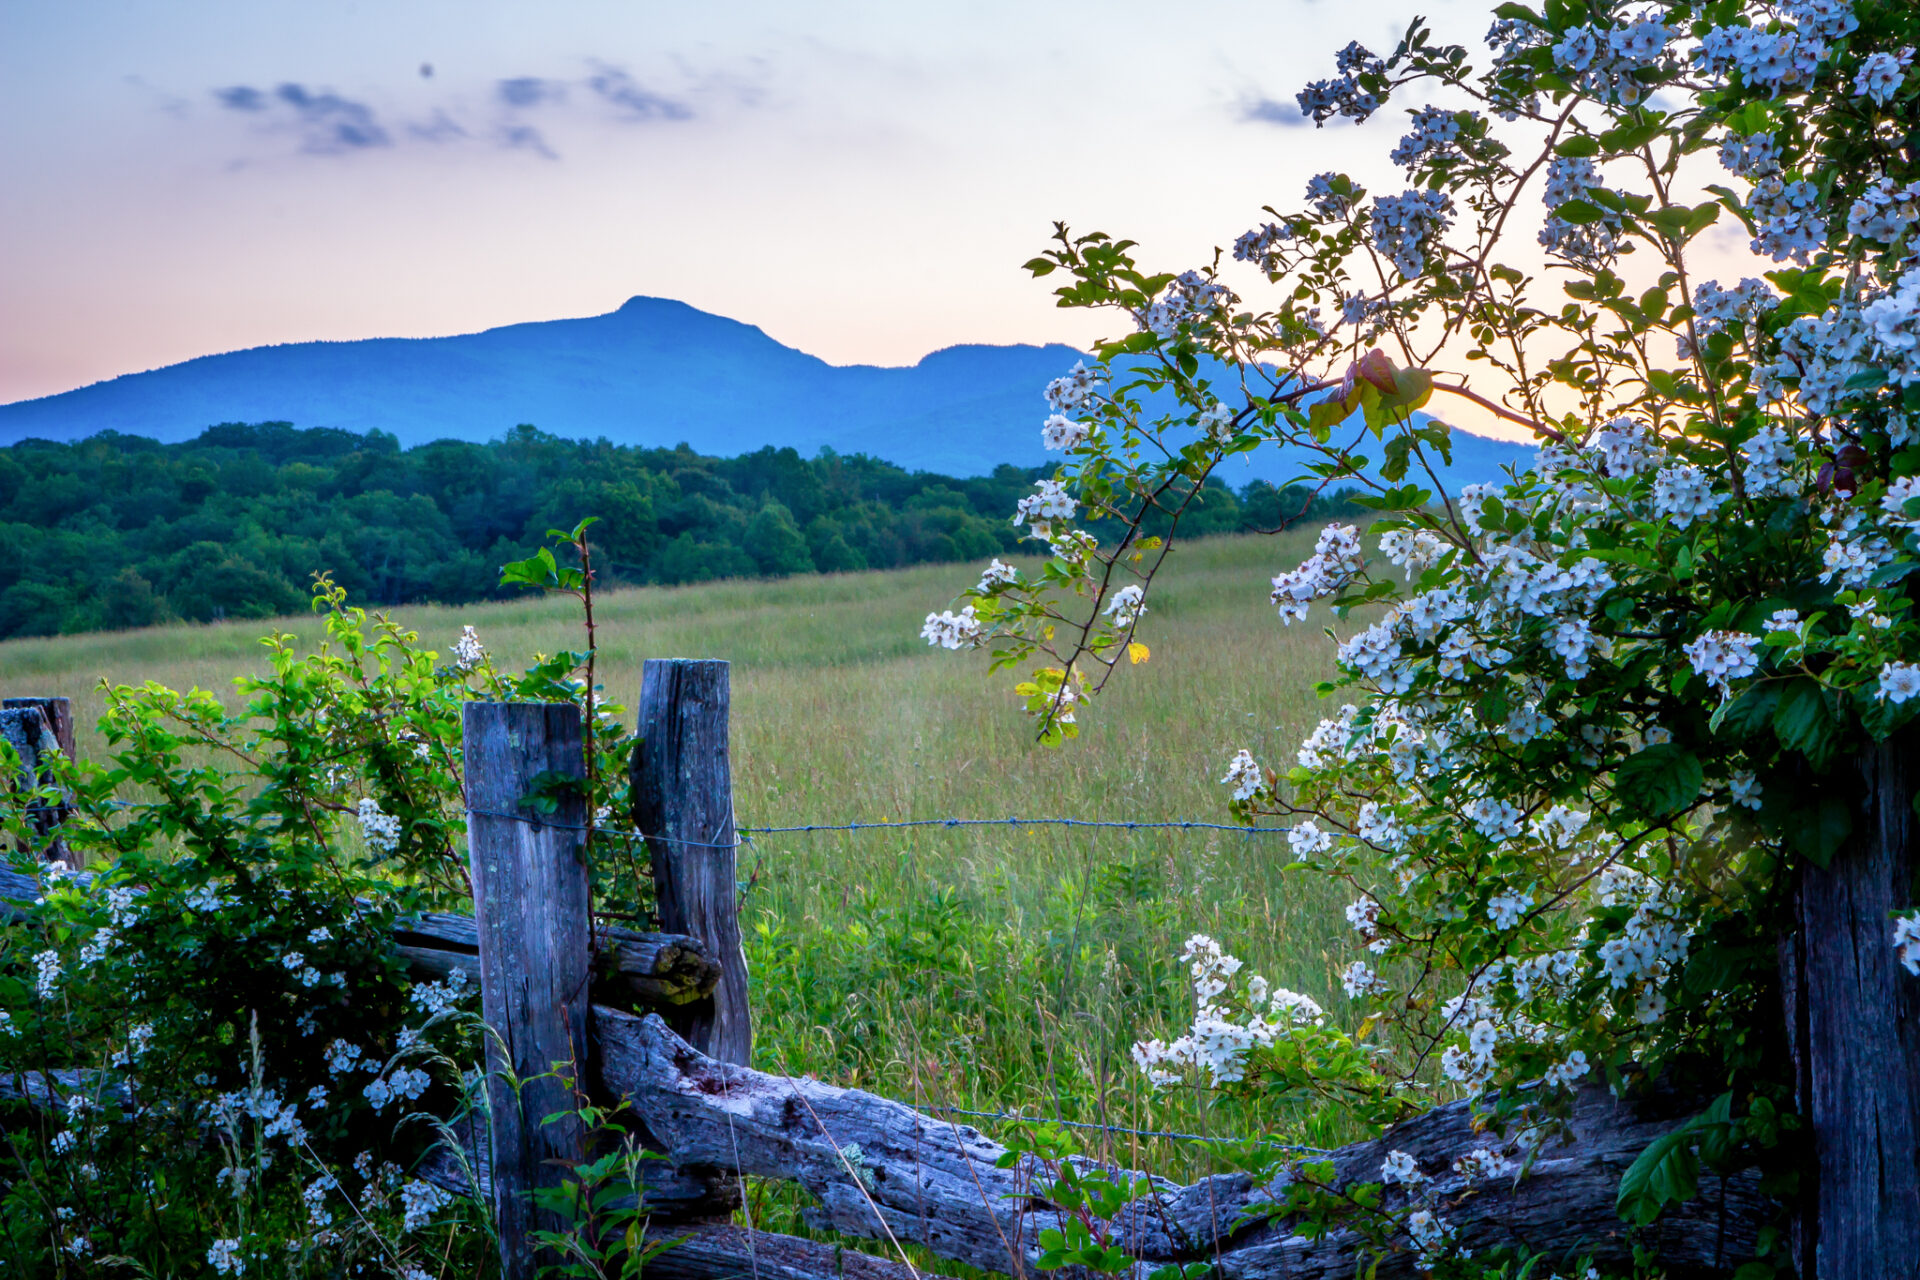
x: 1287, y: 115
x: 524, y: 137
x: 632, y: 100
x: 441, y: 127
x: 241, y: 97
x: 327, y: 124
x: 530, y: 91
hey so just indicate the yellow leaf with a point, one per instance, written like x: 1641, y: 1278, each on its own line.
x: 1138, y: 652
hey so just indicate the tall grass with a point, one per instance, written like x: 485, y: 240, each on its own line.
x: 993, y: 969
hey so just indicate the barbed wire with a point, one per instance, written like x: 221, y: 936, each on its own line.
x: 1113, y: 824
x: 747, y: 834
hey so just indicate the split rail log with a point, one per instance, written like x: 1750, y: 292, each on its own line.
x: 938, y: 1183
x: 632, y: 970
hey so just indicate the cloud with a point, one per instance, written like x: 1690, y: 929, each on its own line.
x: 241, y: 98
x: 1268, y: 111
x: 529, y: 91
x: 628, y: 96
x: 333, y: 124
x: 523, y: 137
x: 328, y: 124
x: 441, y: 128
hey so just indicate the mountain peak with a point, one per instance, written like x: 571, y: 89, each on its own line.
x: 655, y: 372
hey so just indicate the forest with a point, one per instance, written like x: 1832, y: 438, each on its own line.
x: 118, y: 531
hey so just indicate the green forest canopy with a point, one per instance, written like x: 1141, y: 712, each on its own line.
x: 120, y: 531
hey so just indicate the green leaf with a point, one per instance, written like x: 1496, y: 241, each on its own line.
x: 1818, y: 830
x: 1805, y: 722
x: 1660, y: 780
x: 1579, y: 146
x: 1629, y: 136
x: 1666, y: 1172
x: 1748, y: 714
x: 1579, y: 212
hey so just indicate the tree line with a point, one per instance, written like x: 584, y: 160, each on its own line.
x: 118, y: 531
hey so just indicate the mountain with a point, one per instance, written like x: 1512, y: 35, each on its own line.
x: 656, y: 372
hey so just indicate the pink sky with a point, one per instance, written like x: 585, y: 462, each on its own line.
x: 860, y: 180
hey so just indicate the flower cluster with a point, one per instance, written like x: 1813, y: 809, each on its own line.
x: 1322, y: 100
x: 1407, y: 227
x: 1220, y: 1041
x: 1337, y: 558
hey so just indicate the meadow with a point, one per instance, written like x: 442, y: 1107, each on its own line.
x: 995, y: 969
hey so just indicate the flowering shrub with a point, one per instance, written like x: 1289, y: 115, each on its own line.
x: 1590, y: 706
x: 250, y: 1074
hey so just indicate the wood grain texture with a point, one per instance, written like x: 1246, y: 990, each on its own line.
x: 721, y: 1252
x: 32, y: 727
x: 938, y: 1183
x: 683, y: 804
x: 59, y: 717
x: 531, y: 901
x: 1853, y: 1018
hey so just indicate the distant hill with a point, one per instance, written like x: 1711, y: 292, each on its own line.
x: 654, y: 374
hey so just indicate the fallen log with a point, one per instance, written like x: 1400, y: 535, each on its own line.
x: 631, y: 969
x: 719, y: 1252
x: 879, y: 1167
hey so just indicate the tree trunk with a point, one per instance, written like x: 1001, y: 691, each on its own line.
x: 1853, y: 1021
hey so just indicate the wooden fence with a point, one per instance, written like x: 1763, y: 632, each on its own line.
x: 662, y: 1020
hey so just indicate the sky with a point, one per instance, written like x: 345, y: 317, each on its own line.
x: 861, y: 180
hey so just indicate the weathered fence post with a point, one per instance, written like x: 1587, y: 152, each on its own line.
x: 31, y: 726
x: 1853, y: 1023
x: 530, y: 904
x: 58, y: 713
x: 683, y: 804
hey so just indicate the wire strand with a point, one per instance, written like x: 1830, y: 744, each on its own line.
x: 748, y: 833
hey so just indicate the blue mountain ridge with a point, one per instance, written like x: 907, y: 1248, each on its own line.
x: 654, y: 373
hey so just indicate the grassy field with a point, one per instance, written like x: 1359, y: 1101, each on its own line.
x: 985, y: 968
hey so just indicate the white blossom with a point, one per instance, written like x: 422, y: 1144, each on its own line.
x: 1399, y: 1167
x: 1881, y: 75
x: 951, y: 630
x: 1124, y: 606
x: 381, y: 830
x: 1337, y: 557
x: 1684, y: 493
x: 1359, y: 979
x: 468, y: 652
x: 1505, y: 909
x: 225, y: 1258
x: 1899, y: 681
x: 998, y: 573
x: 1561, y: 1075
x: 1906, y: 942
x: 1483, y: 1163
x: 1049, y: 501
x: 1062, y: 432
x: 46, y: 981
x: 1494, y: 818
x: 1721, y: 657
x: 1307, y: 838
x: 419, y: 1202
x: 1243, y: 775
x: 1071, y: 392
